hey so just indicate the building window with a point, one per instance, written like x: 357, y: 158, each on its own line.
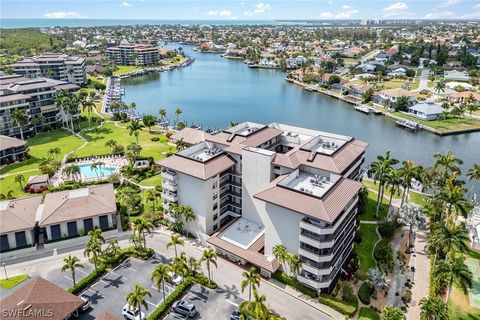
x: 215, y: 227
x: 215, y: 196
x: 215, y: 216
x: 215, y: 206
x: 214, y: 185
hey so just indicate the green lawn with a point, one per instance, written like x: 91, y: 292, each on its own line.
x: 449, y: 124
x: 369, y: 214
x: 13, y: 281
x: 126, y: 69
x: 414, y: 196
x: 156, y: 180
x: 364, y: 250
x: 368, y: 314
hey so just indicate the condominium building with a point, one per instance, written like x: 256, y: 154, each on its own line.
x: 134, y: 54
x: 35, y: 96
x: 56, y: 66
x: 255, y: 186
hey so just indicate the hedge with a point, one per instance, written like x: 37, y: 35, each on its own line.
x: 86, y: 281
x: 203, y: 281
x: 246, y: 307
x: 170, y: 299
x: 365, y: 292
x: 346, y: 308
x: 368, y: 314
x: 293, y: 282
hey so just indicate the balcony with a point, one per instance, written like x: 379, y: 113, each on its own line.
x: 315, y: 271
x: 315, y: 243
x: 169, y: 175
x: 313, y: 283
x: 170, y: 196
x: 173, y: 187
x: 315, y: 257
x: 311, y: 226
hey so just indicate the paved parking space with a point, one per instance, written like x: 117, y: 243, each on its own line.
x: 64, y: 279
x: 211, y: 304
x: 109, y: 293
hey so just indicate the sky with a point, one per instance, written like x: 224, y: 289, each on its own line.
x: 240, y: 10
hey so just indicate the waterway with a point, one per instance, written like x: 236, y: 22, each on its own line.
x: 213, y: 91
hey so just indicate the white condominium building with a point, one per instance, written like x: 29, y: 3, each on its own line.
x: 56, y: 66
x: 134, y: 54
x: 255, y: 186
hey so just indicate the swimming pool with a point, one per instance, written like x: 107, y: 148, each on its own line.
x: 87, y: 172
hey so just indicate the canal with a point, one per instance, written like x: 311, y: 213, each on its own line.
x: 213, y: 91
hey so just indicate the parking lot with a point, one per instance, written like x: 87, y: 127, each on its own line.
x: 64, y: 279
x: 210, y: 304
x: 109, y: 293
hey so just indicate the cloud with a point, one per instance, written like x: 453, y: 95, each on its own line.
x: 448, y: 3
x: 326, y: 15
x: 125, y: 4
x: 221, y: 13
x: 346, y: 14
x: 477, y: 6
x: 248, y: 13
x: 262, y: 7
x: 396, y: 7
x: 63, y: 15
x: 346, y: 7
x: 438, y: 15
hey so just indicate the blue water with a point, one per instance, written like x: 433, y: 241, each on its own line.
x: 39, y: 23
x: 213, y: 91
x: 89, y: 173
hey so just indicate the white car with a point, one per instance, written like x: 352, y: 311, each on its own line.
x: 176, y: 279
x: 132, y: 313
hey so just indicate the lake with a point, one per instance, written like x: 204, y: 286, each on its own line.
x: 213, y: 91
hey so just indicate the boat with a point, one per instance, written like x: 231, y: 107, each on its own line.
x: 363, y: 108
x: 408, y: 124
x: 311, y: 88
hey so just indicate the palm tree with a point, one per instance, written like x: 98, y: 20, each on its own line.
x: 20, y: 178
x: 453, y: 195
x: 448, y: 162
x: 474, y: 174
x: 294, y: 263
x: 111, y: 144
x: 181, y: 144
x: 19, y: 118
x: 280, y: 253
x: 113, y: 249
x: 142, y: 226
x: 251, y: 280
x: 152, y: 195
x: 440, y: 87
x: 53, y: 153
x: 135, y: 127
x: 432, y: 308
x: 133, y: 151
x: 393, y: 181
x: 409, y: 171
x: 209, y: 256
x: 449, y: 239
x: 178, y: 112
x: 96, y: 235
x: 193, y: 265
x: 96, y: 165
x: 163, y: 113
x: 71, y: 171
x: 259, y: 308
x: 126, y: 197
x: 392, y: 313
x: 453, y: 271
x: 37, y: 121
x: 188, y: 214
x: 93, y: 251
x: 71, y: 262
x: 179, y: 264
x: 89, y: 106
x: 381, y: 169
x: 136, y: 298
x: 132, y: 107
x: 159, y: 275
x: 175, y: 240
x: 149, y: 121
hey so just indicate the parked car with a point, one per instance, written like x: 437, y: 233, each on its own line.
x: 86, y: 303
x: 235, y: 315
x: 184, y: 308
x: 176, y: 279
x: 132, y: 313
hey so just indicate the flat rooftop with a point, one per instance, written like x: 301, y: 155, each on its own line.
x: 245, y: 128
x: 308, y: 183
x: 324, y: 144
x: 242, y: 233
x: 202, y: 152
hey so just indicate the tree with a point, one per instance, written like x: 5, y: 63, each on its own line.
x: 19, y: 118
x: 381, y: 168
x: 209, y: 256
x: 152, y: 195
x: 113, y: 249
x: 149, y: 121
x: 294, y: 263
x: 159, y: 275
x: 133, y: 151
x: 93, y: 251
x: 111, y: 144
x: 54, y: 152
x: 193, y: 265
x: 453, y: 271
x: 88, y: 106
x: 175, y: 240
x: 70, y: 263
x: 259, y: 308
x: 474, y: 174
x: 392, y: 313
x: 135, y: 127
x: 178, y: 112
x: 432, y: 308
x: 412, y: 216
x: 136, y: 298
x: 181, y: 144
x: 448, y: 239
x: 132, y: 107
x: 409, y: 171
x: 393, y: 181
x: 377, y: 279
x: 251, y: 280
x: 163, y: 114
x: 453, y: 195
x: 37, y: 121
x: 128, y: 198
x: 20, y: 178
x: 142, y: 226
x: 95, y: 166
x: 447, y: 162
x: 402, y: 104
x: 179, y: 265
x: 440, y: 87
x: 280, y: 253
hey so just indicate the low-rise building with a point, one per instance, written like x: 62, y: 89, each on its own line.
x: 255, y: 186
x: 56, y: 66
x: 426, y: 111
x: 456, y: 75
x: 392, y: 95
x: 37, y: 183
x: 11, y: 149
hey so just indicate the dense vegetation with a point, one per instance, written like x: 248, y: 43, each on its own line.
x: 28, y: 41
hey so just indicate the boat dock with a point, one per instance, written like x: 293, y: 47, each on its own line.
x: 408, y: 124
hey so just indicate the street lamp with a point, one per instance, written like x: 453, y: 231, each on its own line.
x: 5, y: 270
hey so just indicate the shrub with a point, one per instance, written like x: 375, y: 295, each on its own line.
x: 368, y: 314
x: 246, y: 308
x: 155, y: 139
x: 86, y: 281
x: 387, y: 228
x: 170, y: 299
x: 293, y: 282
x: 348, y: 294
x: 347, y: 308
x: 358, y: 236
x: 203, y: 281
x: 407, y: 296
x: 383, y: 253
x: 365, y: 292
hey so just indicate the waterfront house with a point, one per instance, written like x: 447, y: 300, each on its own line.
x: 456, y: 75
x: 251, y: 184
x: 426, y: 111
x: 392, y: 95
x: 18, y: 220
x: 462, y: 97
x: 76, y: 212
x: 40, y: 299
x: 11, y: 149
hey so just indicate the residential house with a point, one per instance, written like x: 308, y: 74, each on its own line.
x: 392, y: 95
x: 426, y: 111
x: 11, y: 149
x: 456, y: 75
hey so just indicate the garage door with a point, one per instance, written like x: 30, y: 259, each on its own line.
x: 87, y: 225
x: 72, y: 229
x: 104, y: 222
x: 55, y: 231
x: 20, y: 239
x: 4, y: 242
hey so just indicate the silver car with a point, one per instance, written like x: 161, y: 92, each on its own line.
x: 184, y: 308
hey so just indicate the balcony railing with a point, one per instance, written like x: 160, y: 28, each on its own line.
x: 170, y: 196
